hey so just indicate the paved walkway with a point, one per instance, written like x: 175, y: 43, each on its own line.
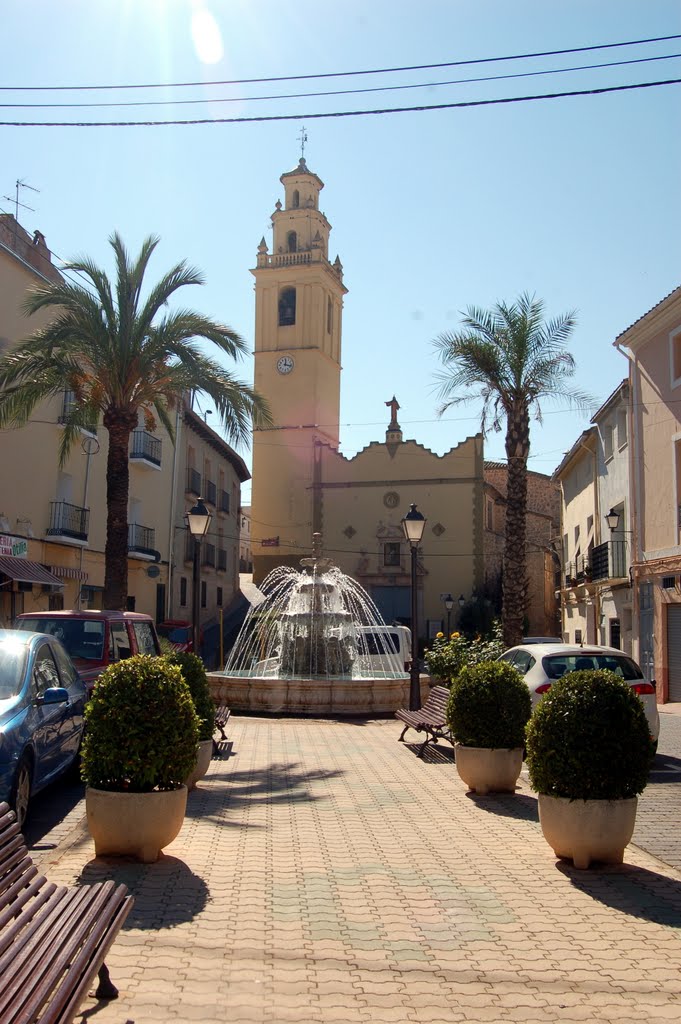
x: 324, y: 873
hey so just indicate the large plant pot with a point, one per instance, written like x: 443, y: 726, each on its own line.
x: 586, y: 830
x: 489, y: 771
x: 205, y: 752
x: 136, y: 825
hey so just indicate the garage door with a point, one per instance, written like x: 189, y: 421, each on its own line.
x: 674, y: 650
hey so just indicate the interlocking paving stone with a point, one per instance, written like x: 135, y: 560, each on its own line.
x: 325, y: 873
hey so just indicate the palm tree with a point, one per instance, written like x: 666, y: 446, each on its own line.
x: 122, y: 356
x: 512, y: 359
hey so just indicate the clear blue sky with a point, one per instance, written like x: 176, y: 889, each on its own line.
x: 576, y: 199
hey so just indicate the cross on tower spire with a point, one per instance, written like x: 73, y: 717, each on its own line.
x: 303, y: 140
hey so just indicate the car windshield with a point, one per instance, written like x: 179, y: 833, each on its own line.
x: 12, y: 667
x: 176, y: 634
x: 82, y: 638
x: 556, y: 665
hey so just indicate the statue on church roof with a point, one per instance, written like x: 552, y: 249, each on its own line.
x: 394, y: 406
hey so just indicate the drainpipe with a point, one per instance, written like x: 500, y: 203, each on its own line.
x: 171, y: 524
x: 635, y: 488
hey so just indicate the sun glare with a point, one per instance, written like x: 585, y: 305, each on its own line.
x: 206, y: 36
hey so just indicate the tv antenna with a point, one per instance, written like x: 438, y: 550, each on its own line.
x: 17, y: 204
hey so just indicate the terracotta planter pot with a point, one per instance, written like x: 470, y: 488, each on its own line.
x: 489, y: 771
x: 586, y: 830
x: 136, y: 825
x: 203, y: 757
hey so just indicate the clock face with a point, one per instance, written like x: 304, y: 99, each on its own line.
x: 285, y: 364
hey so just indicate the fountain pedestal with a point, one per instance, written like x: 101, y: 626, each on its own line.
x: 313, y: 696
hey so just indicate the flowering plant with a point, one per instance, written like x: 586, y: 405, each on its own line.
x: 447, y: 656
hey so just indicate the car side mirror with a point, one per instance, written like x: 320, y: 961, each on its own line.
x: 53, y: 695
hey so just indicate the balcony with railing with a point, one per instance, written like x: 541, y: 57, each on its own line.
x: 67, y: 520
x: 222, y: 559
x: 609, y: 561
x: 224, y: 501
x: 145, y: 449
x: 208, y: 554
x: 68, y: 404
x: 209, y: 492
x: 194, y: 482
x: 141, y: 539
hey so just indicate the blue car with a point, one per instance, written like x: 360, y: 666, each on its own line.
x: 42, y: 701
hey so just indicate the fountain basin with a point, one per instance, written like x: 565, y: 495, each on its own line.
x: 296, y: 695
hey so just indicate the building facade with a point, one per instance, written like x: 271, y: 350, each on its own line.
x: 653, y: 347
x: 543, y: 525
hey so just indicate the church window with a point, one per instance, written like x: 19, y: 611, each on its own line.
x: 292, y: 241
x: 329, y: 316
x: 296, y: 200
x: 391, y: 553
x: 287, y: 307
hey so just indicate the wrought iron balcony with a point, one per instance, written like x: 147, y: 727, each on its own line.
x: 141, y: 539
x: 222, y: 559
x: 67, y: 405
x: 194, y: 482
x: 210, y: 492
x: 144, y: 447
x: 207, y: 554
x: 68, y: 520
x: 609, y: 560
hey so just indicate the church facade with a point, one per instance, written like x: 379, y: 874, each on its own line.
x: 302, y: 483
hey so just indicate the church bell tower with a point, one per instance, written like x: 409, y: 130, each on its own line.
x: 298, y: 311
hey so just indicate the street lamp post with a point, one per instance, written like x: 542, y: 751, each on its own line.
x: 449, y: 604
x: 413, y: 525
x: 198, y: 521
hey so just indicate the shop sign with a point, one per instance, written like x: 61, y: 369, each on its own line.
x: 17, y: 547
x: 270, y: 542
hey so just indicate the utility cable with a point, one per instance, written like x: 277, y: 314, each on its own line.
x: 336, y: 92
x: 342, y: 74
x: 341, y: 113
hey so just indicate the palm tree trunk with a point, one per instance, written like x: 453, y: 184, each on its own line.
x: 120, y: 426
x: 515, y: 573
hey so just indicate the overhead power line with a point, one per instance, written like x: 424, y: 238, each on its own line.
x: 342, y: 74
x: 340, y: 113
x: 336, y: 92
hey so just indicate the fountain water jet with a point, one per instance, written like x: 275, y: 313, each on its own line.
x: 317, y: 644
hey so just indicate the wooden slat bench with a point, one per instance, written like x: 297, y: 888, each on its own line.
x: 431, y: 718
x: 222, y: 716
x: 53, y: 939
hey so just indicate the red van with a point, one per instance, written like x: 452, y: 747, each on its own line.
x: 95, y: 639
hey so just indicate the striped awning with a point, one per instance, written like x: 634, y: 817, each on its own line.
x: 23, y: 571
x: 67, y: 573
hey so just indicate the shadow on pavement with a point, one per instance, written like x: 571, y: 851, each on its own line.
x: 277, y: 783
x: 432, y: 754
x: 166, y: 893
x: 665, y: 769
x: 509, y: 805
x: 632, y: 890
x: 49, y: 808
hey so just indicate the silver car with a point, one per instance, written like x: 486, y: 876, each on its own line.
x: 542, y: 664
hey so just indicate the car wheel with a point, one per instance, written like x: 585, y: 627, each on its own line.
x: 22, y: 791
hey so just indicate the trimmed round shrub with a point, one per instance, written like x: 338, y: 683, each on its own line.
x: 489, y: 706
x: 194, y: 672
x: 588, y: 739
x: 141, y: 729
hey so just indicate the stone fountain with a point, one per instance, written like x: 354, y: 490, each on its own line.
x: 316, y: 645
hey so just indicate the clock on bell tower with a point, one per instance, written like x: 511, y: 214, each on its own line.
x: 298, y: 312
